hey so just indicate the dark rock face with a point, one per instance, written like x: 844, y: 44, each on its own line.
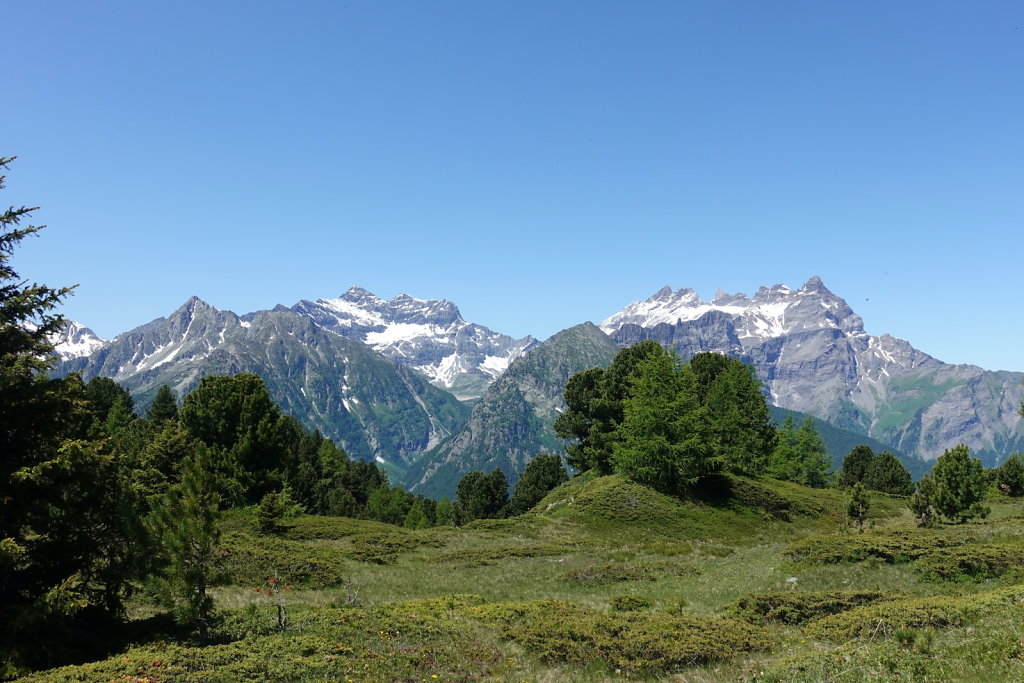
x: 513, y: 422
x: 813, y: 355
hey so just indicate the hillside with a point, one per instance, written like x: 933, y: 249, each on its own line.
x: 605, y: 578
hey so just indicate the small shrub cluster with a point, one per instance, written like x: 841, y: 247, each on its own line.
x: 479, y: 557
x: 384, y: 547
x: 799, y: 608
x: 599, y: 574
x: 633, y: 642
x: 316, y: 528
x: 884, y: 619
x: 629, y: 603
x: 888, y: 547
x: 972, y: 562
x: 247, y: 559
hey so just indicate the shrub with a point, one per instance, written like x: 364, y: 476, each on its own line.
x: 629, y: 603
x: 799, y: 608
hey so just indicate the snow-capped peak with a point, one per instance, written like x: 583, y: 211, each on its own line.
x: 771, y: 312
x: 427, y: 335
x: 76, y: 340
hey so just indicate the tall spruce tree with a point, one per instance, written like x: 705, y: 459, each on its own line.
x: 1009, y: 477
x: 164, y: 405
x: 481, y: 496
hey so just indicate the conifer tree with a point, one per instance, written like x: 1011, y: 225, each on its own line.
x: 417, y: 518
x: 958, y: 485
x: 481, y: 496
x: 664, y: 440
x: 737, y: 412
x: 164, y: 406
x: 62, y: 537
x: 185, y: 520
x: 816, y: 463
x: 887, y: 474
x: 445, y: 512
x: 542, y: 474
x: 786, y: 462
x: 855, y: 465
x: 858, y: 506
x: 1010, y: 476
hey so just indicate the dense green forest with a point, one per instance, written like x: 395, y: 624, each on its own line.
x: 215, y: 538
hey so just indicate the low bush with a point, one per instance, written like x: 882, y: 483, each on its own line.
x: 633, y: 642
x: 629, y: 603
x: 249, y: 560
x: 891, y: 548
x: 478, y: 557
x: 798, y: 608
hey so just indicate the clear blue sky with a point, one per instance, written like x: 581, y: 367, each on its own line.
x: 538, y: 163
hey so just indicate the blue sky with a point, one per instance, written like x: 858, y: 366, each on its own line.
x: 538, y: 163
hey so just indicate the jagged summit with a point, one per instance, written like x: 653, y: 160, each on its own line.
x: 813, y: 355
x: 426, y: 335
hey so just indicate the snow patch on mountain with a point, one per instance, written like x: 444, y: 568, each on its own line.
x: 76, y: 341
x: 429, y: 336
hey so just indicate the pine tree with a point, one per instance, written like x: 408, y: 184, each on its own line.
x: 596, y: 407
x: 445, y: 513
x: 816, y: 463
x: 417, y: 518
x: 164, y: 406
x: 858, y: 506
x: 481, y: 496
x: 185, y: 520
x: 786, y: 462
x: 1010, y: 476
x: 958, y: 486
x: 269, y: 513
x: 63, y: 539
x: 855, y: 465
x: 665, y: 441
x: 737, y: 412
x: 542, y: 474
x: 887, y: 474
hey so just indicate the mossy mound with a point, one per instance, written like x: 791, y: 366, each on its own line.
x: 799, y: 608
x: 723, y: 506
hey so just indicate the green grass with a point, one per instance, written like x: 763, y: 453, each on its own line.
x: 754, y: 580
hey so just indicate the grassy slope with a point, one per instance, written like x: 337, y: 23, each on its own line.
x: 531, y: 598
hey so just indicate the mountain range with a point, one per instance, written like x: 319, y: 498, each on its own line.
x: 411, y: 384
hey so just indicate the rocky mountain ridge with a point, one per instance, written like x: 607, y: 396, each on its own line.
x: 813, y: 355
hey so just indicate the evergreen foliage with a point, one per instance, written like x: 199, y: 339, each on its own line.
x: 665, y: 438
x: 800, y: 455
x: 855, y: 465
x: 541, y: 475
x: 595, y: 401
x: 885, y: 473
x: 857, y: 507
x: 269, y: 513
x: 164, y: 405
x: 66, y: 550
x: 185, y: 521
x: 481, y: 496
x: 1009, y: 477
x: 738, y: 415
x: 236, y: 415
x: 958, y: 486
